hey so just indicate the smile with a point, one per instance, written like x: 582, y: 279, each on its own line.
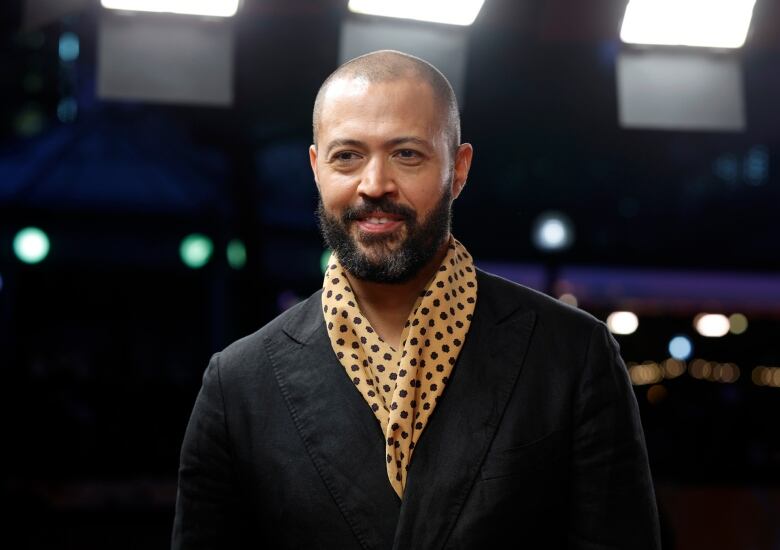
x: 379, y: 223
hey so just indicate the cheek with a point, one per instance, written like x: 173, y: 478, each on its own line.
x: 336, y: 192
x: 424, y: 197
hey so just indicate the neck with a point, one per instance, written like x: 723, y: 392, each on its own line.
x: 388, y: 306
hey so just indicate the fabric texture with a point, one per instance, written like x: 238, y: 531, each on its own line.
x: 402, y: 386
x: 536, y: 443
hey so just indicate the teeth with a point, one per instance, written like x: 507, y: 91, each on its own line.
x: 378, y: 220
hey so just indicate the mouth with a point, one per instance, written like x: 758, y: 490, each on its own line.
x: 379, y: 222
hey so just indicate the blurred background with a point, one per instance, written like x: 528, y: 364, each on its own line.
x: 156, y: 204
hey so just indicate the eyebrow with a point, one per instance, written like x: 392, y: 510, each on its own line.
x: 390, y: 143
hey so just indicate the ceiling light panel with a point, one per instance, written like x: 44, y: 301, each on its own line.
x: 461, y: 12
x: 213, y: 8
x: 698, y: 23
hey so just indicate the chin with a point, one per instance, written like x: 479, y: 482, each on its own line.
x: 367, y: 240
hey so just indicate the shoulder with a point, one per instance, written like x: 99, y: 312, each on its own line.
x: 495, y: 288
x: 501, y: 293
x: 249, y: 353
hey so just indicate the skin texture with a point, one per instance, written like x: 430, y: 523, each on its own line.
x: 386, y: 65
x: 386, y: 141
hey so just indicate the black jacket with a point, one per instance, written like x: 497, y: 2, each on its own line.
x: 535, y: 443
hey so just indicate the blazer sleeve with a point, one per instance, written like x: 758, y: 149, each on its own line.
x: 207, y: 504
x: 613, y: 501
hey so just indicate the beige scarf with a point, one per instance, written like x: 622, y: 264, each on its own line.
x: 403, y: 386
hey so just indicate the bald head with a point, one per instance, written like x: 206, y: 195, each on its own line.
x: 390, y: 65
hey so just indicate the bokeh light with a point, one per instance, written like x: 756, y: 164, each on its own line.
x: 726, y: 373
x: 756, y: 166
x: 711, y: 325
x: 656, y: 393
x: 648, y: 372
x: 69, y: 47
x: 622, y: 322
x: 680, y: 347
x: 766, y: 376
x: 236, y: 254
x: 324, y: 260
x: 195, y: 250
x: 569, y: 298
x: 700, y: 369
x: 67, y: 109
x: 31, y: 245
x: 552, y: 231
x: 672, y: 368
x: 759, y: 376
x: 738, y: 323
x: 29, y: 121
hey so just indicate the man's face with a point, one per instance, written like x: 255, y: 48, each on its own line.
x: 385, y: 176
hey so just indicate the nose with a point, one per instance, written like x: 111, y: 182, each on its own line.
x: 376, y: 179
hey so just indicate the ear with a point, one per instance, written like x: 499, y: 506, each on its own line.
x: 463, y: 158
x: 313, y: 162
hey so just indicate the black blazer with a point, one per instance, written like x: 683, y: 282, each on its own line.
x: 536, y: 442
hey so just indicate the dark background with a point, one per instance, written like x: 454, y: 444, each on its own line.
x: 102, y: 345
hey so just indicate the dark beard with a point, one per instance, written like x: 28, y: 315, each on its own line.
x: 387, y: 265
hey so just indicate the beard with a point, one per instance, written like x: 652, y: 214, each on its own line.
x: 385, y: 261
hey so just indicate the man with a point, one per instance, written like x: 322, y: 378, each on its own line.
x: 414, y: 402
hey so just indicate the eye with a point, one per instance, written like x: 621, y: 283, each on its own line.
x: 409, y: 156
x: 344, y: 156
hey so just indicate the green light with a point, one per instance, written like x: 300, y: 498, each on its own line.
x: 324, y: 260
x: 31, y: 245
x: 236, y: 254
x: 196, y: 250
x: 29, y: 121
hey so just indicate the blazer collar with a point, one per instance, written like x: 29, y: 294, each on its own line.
x: 339, y: 431
x: 346, y: 444
x: 452, y: 448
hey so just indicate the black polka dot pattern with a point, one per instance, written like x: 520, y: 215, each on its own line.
x: 390, y: 380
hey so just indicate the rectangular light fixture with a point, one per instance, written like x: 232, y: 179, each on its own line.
x: 689, y: 90
x: 458, y: 12
x: 212, y: 8
x: 698, y: 23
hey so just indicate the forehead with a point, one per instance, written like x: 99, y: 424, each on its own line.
x: 356, y: 105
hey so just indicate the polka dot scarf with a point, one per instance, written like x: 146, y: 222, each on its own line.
x: 403, y: 386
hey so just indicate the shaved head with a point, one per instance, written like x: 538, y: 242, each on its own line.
x: 390, y: 65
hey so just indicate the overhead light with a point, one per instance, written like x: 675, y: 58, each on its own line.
x: 213, y: 8
x: 463, y: 12
x: 712, y: 325
x: 701, y: 23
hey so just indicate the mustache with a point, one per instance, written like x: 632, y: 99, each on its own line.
x: 370, y: 206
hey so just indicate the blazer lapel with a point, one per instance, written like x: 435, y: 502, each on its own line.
x: 338, y: 429
x: 455, y: 442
